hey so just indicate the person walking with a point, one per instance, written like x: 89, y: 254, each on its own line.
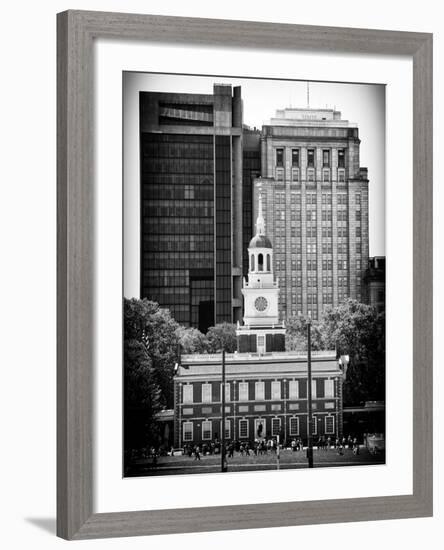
x: 230, y: 450
x: 197, y: 453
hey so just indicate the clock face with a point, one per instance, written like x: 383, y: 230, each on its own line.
x: 261, y: 303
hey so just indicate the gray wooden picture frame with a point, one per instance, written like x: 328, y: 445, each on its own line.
x: 76, y: 32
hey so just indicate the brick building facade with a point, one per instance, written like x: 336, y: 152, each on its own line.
x: 265, y: 387
x: 268, y: 390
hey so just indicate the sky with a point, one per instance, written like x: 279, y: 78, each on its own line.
x: 363, y: 104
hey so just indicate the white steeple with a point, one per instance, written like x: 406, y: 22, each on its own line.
x: 260, y: 222
x: 261, y: 289
x: 262, y: 331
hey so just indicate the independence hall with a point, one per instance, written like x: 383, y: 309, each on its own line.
x: 265, y: 387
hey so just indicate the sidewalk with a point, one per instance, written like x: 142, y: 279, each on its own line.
x: 287, y: 459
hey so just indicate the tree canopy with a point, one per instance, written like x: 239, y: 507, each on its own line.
x: 296, y: 335
x: 353, y: 329
x: 147, y: 323
x: 222, y: 336
x: 192, y: 340
x: 142, y: 396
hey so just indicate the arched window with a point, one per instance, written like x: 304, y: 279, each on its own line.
x: 260, y: 262
x: 252, y: 262
x: 268, y: 262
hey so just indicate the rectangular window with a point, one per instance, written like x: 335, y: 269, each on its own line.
x: 326, y: 175
x: 314, y: 425
x: 310, y: 175
x: 243, y: 391
x: 294, y: 389
x: 329, y: 388
x: 259, y: 391
x: 295, y: 174
x: 295, y: 157
x: 275, y: 426
x: 227, y: 391
x: 341, y: 175
x: 279, y: 157
x: 188, y: 393
x: 260, y: 343
x: 206, y: 393
x: 310, y: 157
x: 227, y: 428
x: 294, y: 425
x: 329, y: 424
x: 207, y: 429
x: 275, y: 390
x: 243, y: 429
x: 341, y: 158
x: 313, y: 388
x: 188, y: 431
x: 326, y: 157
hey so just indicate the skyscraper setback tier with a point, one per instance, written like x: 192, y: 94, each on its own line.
x: 191, y: 204
x: 315, y: 201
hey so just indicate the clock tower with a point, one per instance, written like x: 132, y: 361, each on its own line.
x: 261, y: 331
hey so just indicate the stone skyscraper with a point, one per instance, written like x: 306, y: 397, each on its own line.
x: 315, y: 199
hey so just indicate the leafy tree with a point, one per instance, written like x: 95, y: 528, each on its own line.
x: 142, y: 397
x: 222, y: 336
x: 154, y: 327
x: 192, y: 340
x: 352, y: 329
x: 296, y: 335
x: 356, y: 329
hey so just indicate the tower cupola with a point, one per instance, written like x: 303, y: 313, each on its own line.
x: 261, y: 332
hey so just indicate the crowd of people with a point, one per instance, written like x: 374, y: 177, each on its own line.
x: 269, y: 446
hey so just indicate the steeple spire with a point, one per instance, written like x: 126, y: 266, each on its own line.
x: 260, y: 222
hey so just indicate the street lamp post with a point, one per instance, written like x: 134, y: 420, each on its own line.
x: 285, y: 411
x: 234, y: 411
x: 223, y: 465
x: 309, y: 398
x: 180, y: 415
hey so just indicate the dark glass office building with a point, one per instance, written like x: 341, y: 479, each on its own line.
x: 191, y: 204
x: 251, y: 169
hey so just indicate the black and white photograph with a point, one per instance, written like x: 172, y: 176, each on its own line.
x: 253, y: 274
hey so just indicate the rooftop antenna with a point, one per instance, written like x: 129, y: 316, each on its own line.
x: 308, y: 94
